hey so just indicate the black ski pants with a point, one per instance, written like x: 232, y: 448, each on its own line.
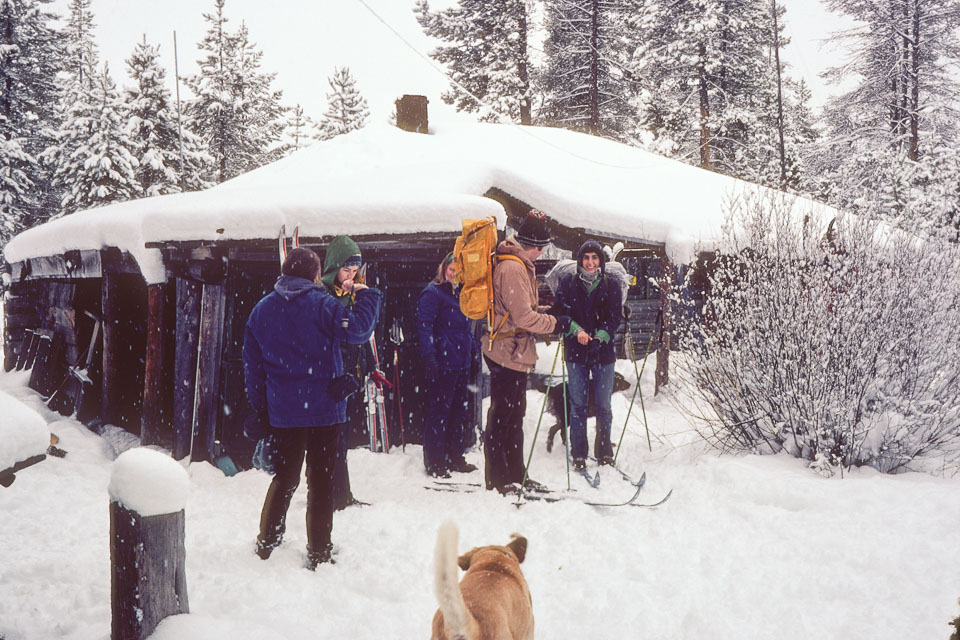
x: 319, y: 446
x: 503, y: 437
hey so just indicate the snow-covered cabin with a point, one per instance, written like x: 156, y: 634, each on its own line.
x: 172, y: 278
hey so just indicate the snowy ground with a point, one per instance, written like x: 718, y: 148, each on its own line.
x: 747, y: 547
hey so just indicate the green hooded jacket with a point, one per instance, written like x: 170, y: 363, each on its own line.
x: 340, y: 249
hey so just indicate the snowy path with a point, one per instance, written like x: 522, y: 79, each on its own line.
x: 748, y: 547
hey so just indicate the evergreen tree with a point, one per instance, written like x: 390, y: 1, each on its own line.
x: 94, y: 164
x: 152, y: 125
x: 885, y: 134
x: 346, y: 108
x: 300, y: 131
x: 29, y: 49
x: 82, y: 53
x: 487, y: 55
x: 709, y: 84
x: 235, y: 114
x: 584, y: 78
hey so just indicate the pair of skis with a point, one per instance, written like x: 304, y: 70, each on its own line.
x: 374, y: 398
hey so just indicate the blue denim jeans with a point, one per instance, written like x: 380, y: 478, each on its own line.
x: 583, y: 379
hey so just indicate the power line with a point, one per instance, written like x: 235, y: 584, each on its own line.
x: 492, y: 110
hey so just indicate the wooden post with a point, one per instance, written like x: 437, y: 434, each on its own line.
x: 207, y: 401
x: 153, y: 367
x: 185, y: 366
x: 662, y: 376
x: 110, y: 381
x: 148, y: 579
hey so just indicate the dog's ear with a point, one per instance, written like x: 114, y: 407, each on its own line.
x: 464, y: 561
x: 519, y: 546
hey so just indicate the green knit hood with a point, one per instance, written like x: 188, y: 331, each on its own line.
x: 340, y: 249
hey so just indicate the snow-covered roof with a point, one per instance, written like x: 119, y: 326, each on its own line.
x: 384, y: 180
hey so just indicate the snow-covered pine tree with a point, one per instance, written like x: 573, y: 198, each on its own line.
x: 486, y: 54
x: 259, y: 111
x: 708, y: 81
x: 94, y: 164
x: 152, y: 124
x: 235, y: 113
x: 82, y: 52
x: 584, y: 80
x: 300, y: 131
x: 904, y: 101
x: 29, y: 55
x: 346, y: 109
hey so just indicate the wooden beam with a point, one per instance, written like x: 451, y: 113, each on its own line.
x: 662, y: 376
x: 207, y: 403
x: 185, y: 365
x: 153, y: 367
x: 110, y: 380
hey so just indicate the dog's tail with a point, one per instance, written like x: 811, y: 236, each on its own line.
x: 456, y: 617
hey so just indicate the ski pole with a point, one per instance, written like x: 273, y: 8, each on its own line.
x: 566, y: 415
x: 533, y: 443
x: 636, y: 390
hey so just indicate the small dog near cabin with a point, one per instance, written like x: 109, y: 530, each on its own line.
x: 492, y: 600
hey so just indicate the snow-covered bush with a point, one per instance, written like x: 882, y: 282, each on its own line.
x: 836, y: 341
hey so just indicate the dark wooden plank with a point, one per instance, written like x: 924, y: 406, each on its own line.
x: 153, y: 367
x: 110, y: 367
x: 148, y: 579
x: 185, y: 364
x: 209, y: 348
x: 662, y: 376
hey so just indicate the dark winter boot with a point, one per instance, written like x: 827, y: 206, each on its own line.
x: 273, y: 519
x: 323, y: 556
x: 579, y: 464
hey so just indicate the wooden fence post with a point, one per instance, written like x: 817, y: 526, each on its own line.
x: 185, y: 365
x: 147, y: 556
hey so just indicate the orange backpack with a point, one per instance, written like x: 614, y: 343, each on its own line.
x: 474, y: 256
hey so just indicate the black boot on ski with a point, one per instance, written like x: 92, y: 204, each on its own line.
x: 579, y: 464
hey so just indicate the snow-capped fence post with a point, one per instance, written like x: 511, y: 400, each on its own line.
x: 148, y: 580
x: 150, y: 420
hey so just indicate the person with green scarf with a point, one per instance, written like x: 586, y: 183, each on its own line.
x: 341, y: 266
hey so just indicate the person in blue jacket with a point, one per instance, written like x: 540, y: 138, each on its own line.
x: 593, y: 301
x: 294, y: 375
x: 448, y: 349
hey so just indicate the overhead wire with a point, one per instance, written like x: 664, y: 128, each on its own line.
x: 501, y: 119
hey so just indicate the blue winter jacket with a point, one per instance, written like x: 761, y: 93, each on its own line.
x: 291, y: 350
x: 444, y: 331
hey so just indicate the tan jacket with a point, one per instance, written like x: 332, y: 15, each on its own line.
x: 515, y: 291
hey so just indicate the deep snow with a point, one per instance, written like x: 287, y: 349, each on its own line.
x: 747, y: 547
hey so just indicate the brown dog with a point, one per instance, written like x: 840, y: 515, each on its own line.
x: 492, y: 602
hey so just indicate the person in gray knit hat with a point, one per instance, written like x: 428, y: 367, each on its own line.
x: 510, y: 351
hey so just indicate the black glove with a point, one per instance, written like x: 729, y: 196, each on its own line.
x: 342, y: 387
x: 563, y: 325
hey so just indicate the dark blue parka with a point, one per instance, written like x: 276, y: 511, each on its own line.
x: 597, y: 308
x: 291, y: 350
x: 444, y: 331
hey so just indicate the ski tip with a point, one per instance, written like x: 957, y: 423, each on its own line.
x: 296, y: 237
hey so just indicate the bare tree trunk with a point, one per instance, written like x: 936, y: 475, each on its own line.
x: 594, y: 122
x: 704, y: 112
x: 776, y: 58
x: 525, y: 117
x: 914, y: 150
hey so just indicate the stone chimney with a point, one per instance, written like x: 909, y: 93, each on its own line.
x: 412, y: 113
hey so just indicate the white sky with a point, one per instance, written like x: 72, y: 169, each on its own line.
x: 303, y: 41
